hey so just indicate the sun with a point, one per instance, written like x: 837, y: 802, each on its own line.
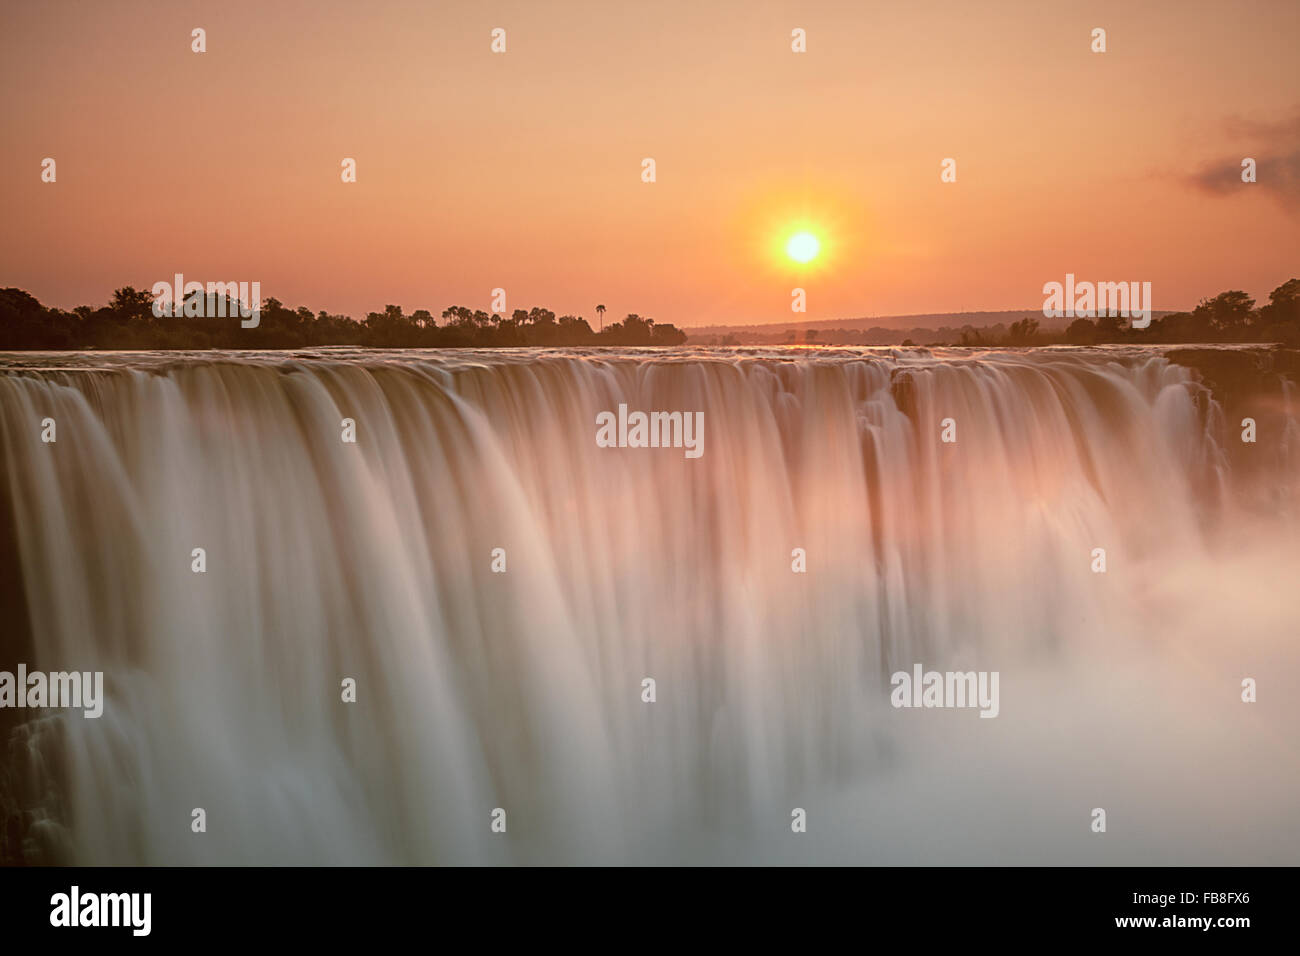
x: 803, y: 247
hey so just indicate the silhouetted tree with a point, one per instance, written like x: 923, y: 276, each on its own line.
x: 1108, y: 328
x: 667, y: 334
x: 127, y: 322
x: 1081, y: 332
x: 1023, y: 332
x: 1227, y: 312
x: 128, y: 303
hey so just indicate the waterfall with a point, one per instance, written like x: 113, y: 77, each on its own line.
x: 522, y: 689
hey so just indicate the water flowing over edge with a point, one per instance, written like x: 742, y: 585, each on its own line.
x: 523, y: 690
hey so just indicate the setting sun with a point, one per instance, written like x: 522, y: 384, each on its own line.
x: 802, y: 247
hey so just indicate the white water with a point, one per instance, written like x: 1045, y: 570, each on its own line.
x: 523, y: 690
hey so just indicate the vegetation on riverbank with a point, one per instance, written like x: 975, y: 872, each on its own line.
x: 128, y: 323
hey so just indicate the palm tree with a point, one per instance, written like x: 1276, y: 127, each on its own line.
x: 600, y: 311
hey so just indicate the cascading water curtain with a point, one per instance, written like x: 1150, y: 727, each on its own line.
x: 635, y: 653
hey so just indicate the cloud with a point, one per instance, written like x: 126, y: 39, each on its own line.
x: 1275, y: 147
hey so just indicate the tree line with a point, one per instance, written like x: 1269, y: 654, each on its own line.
x: 128, y: 322
x: 1227, y: 317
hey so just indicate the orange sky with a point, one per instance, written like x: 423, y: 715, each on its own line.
x: 523, y: 170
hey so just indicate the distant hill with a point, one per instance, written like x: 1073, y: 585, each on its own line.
x: 923, y: 328
x: 931, y: 320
